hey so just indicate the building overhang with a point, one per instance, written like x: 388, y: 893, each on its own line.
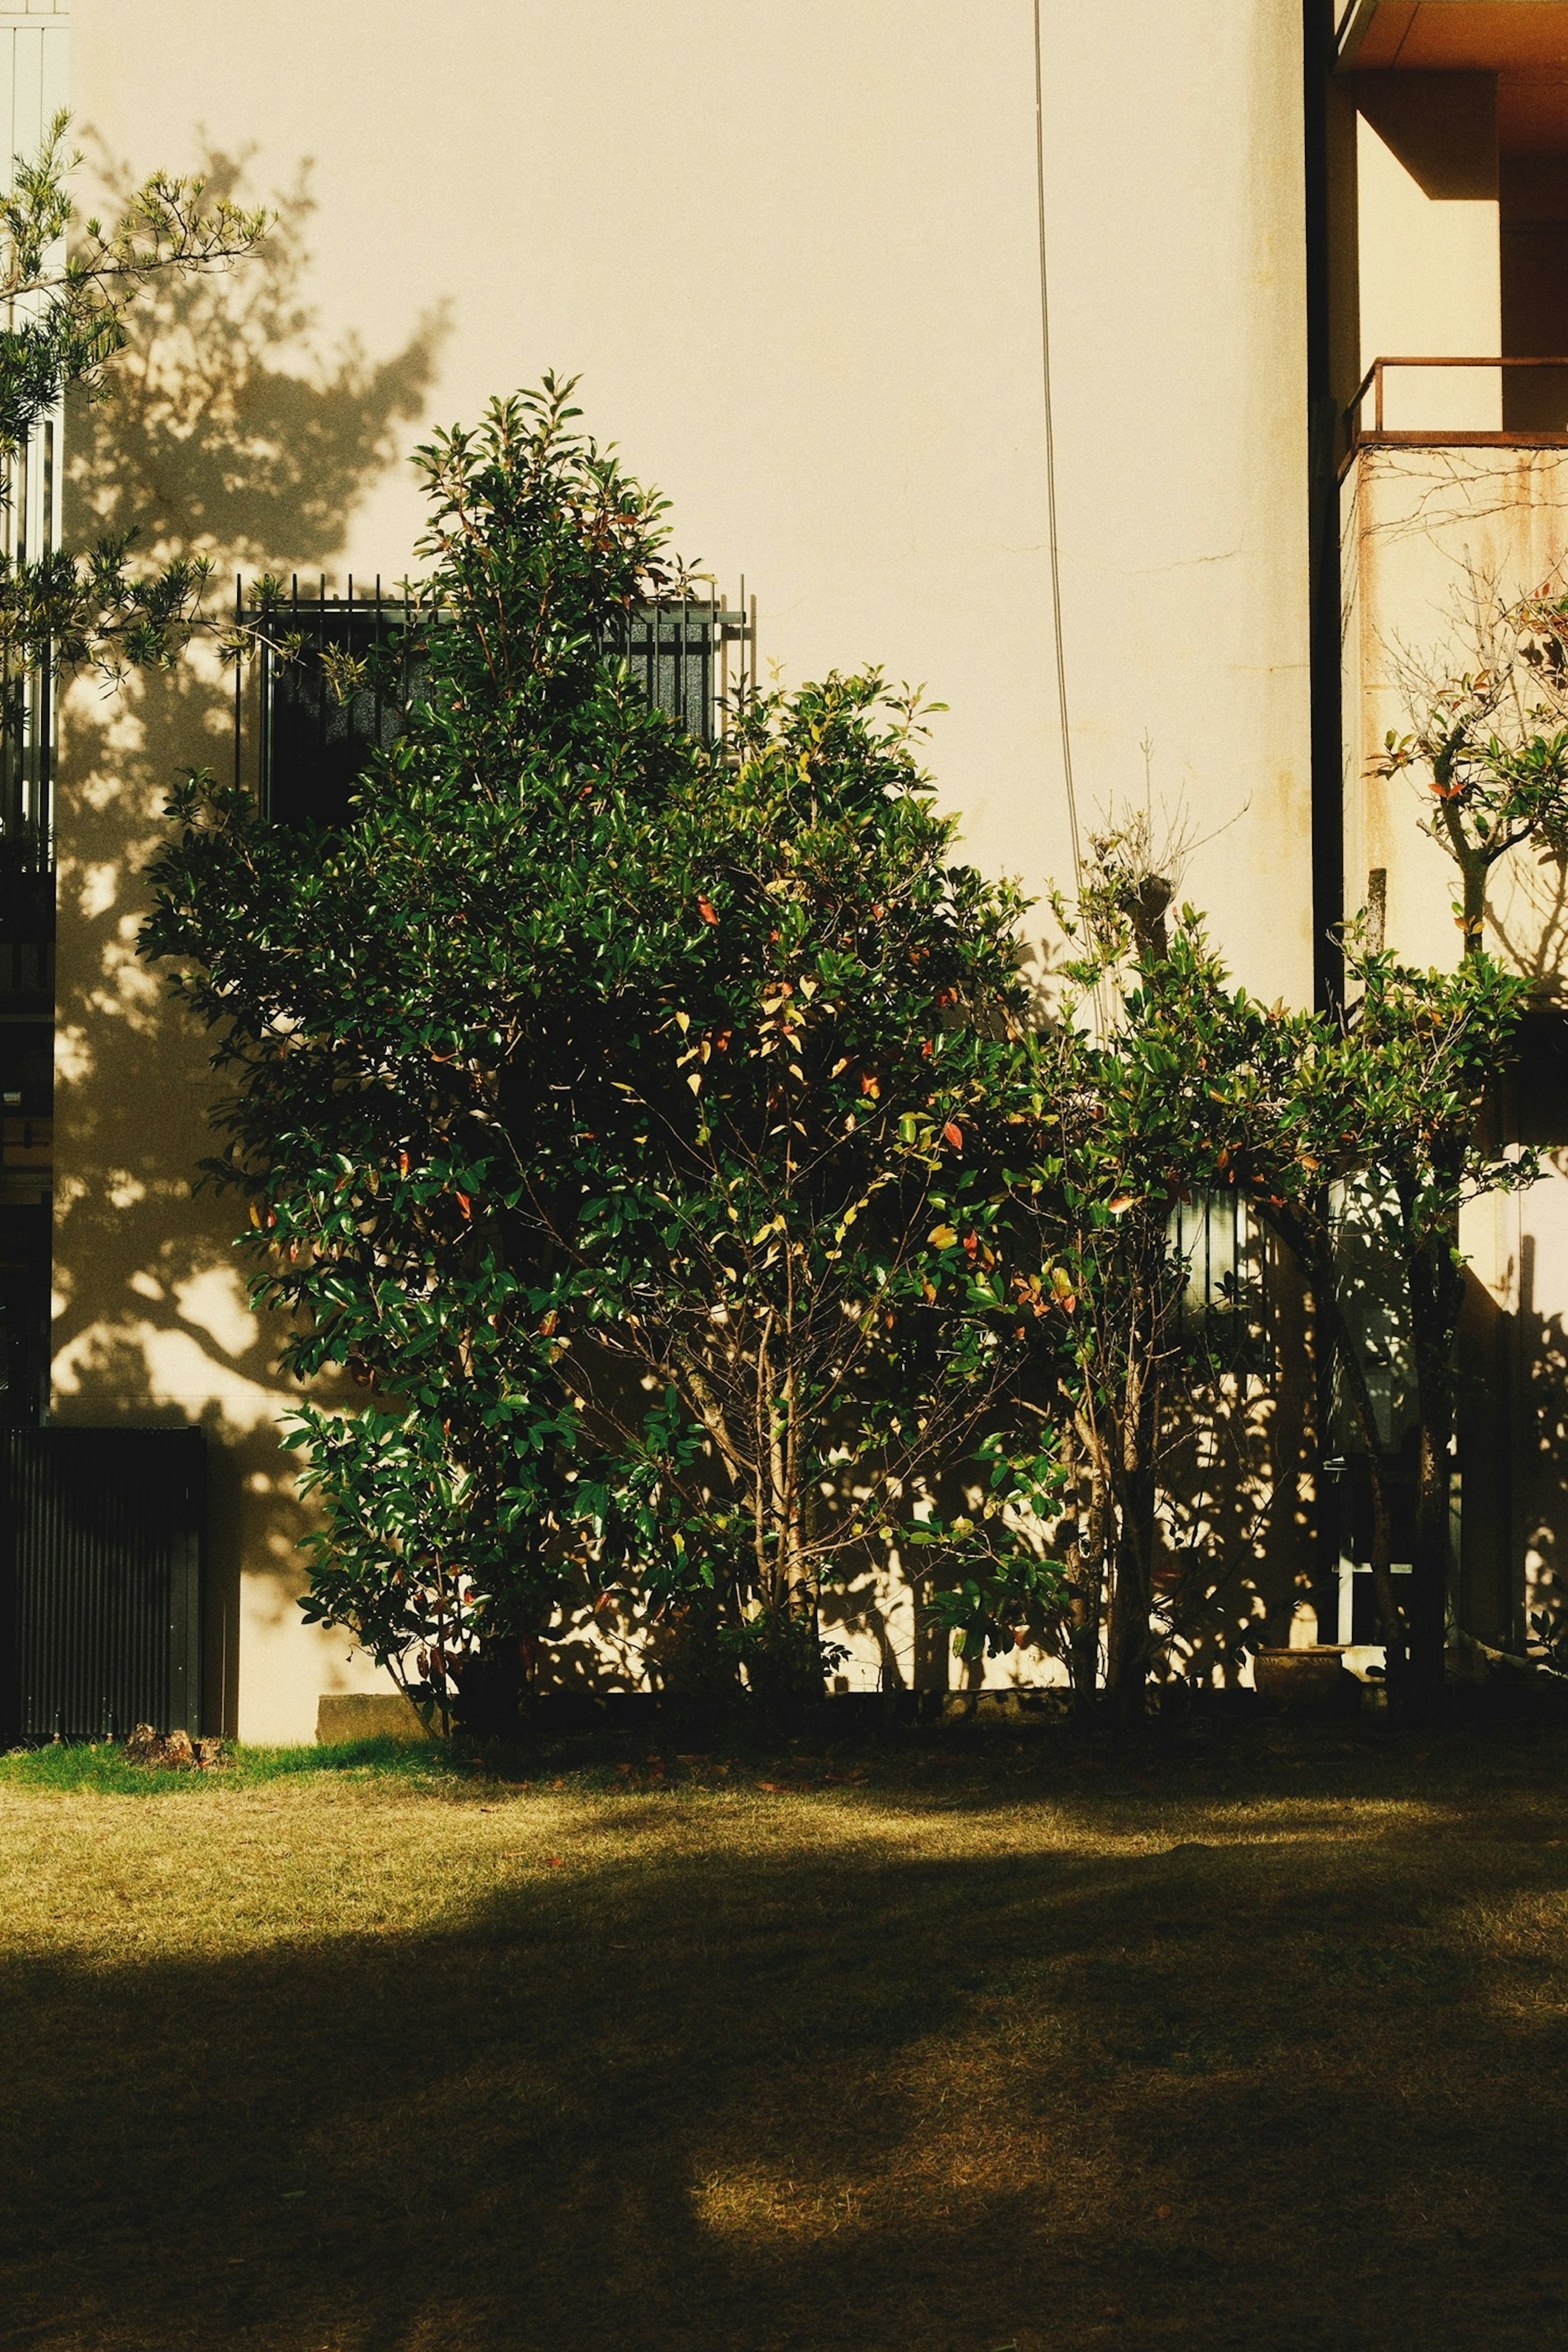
x: 1523, y: 36
x: 1523, y: 42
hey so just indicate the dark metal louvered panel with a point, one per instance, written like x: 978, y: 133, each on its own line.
x: 103, y: 1545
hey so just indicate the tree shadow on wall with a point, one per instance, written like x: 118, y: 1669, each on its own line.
x: 1529, y: 931
x: 226, y: 429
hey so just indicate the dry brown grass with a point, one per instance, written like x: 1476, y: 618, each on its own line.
x: 1257, y: 2047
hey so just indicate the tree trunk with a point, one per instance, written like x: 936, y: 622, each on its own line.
x: 1136, y: 1499
x: 1085, y: 1563
x: 1437, y: 1292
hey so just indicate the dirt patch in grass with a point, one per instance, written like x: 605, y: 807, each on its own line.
x: 1256, y: 2045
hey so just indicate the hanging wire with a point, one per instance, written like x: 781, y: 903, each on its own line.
x: 1101, y: 1018
x: 1051, y: 454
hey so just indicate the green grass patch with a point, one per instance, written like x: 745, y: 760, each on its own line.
x: 101, y: 1768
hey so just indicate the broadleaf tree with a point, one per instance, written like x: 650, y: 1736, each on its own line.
x: 621, y: 1111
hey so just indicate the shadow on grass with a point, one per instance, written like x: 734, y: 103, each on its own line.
x: 848, y: 2088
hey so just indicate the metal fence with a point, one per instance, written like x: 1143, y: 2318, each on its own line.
x: 101, y: 1579
x: 300, y: 743
x: 1223, y: 1315
x: 26, y: 925
x: 29, y: 508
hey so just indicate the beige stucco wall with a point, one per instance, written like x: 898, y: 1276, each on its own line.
x: 792, y: 250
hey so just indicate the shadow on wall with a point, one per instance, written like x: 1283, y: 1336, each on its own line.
x: 1530, y: 930
x: 1237, y: 1543
x: 227, y: 430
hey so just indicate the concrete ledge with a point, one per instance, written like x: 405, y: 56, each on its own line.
x: 342, y: 1715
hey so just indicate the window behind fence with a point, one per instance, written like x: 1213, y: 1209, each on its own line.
x: 312, y: 742
x: 1223, y: 1312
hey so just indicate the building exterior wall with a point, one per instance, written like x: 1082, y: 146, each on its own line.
x: 1434, y: 533
x: 794, y: 254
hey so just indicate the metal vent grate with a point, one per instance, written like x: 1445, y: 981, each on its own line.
x: 101, y: 1562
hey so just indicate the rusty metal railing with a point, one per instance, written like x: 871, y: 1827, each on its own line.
x: 1373, y: 383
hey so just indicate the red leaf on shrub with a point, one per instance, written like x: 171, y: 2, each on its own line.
x: 954, y: 1135
x: 705, y: 909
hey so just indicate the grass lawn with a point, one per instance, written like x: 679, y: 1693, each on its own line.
x: 1258, y: 2046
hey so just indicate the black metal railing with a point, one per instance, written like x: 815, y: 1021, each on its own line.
x: 678, y: 653
x: 26, y: 922
x: 28, y: 524
x: 304, y: 730
x: 28, y: 508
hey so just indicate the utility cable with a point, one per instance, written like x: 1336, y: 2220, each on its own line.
x: 1051, y: 456
x: 1102, y: 1016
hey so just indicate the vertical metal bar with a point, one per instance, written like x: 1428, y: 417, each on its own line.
x: 349, y: 707
x: 1377, y: 396
x: 25, y: 713
x: 46, y: 669
x: 723, y: 682
x: 321, y: 675
x: 45, y: 813
x: 15, y: 806
x: 263, y: 722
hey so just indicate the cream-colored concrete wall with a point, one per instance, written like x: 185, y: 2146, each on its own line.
x: 825, y: 348
x: 792, y: 250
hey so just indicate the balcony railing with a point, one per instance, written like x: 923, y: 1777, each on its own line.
x: 1387, y: 429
